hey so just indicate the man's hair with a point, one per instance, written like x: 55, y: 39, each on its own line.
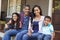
x: 48, y: 17
x: 26, y: 6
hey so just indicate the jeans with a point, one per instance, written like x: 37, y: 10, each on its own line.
x: 9, y: 33
x: 20, y: 35
x: 47, y: 37
x: 34, y: 35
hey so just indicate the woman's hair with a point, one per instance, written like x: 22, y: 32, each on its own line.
x: 39, y: 9
x: 17, y: 22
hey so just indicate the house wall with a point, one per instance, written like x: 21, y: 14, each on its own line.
x: 4, y: 8
x: 43, y: 3
x: 0, y: 9
x: 4, y: 5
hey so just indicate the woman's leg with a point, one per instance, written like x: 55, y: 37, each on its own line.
x: 47, y: 37
x: 26, y: 37
x: 20, y: 35
x: 8, y: 34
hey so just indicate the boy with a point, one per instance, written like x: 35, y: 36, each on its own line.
x: 47, y: 29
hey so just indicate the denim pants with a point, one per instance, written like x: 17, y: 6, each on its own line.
x: 20, y: 35
x: 34, y: 35
x: 47, y: 37
x: 9, y: 33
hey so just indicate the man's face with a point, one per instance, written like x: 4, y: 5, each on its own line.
x: 26, y: 10
x: 47, y: 21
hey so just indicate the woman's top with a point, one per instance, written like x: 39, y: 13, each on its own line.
x: 37, y: 25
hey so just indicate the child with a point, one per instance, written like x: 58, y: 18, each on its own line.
x: 47, y: 29
x: 14, y: 27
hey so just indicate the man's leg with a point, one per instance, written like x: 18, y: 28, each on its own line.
x: 25, y: 37
x: 20, y: 35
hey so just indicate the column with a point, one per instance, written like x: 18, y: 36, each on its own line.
x: 50, y: 8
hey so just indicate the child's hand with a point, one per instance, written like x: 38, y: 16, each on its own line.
x: 9, y: 22
x: 6, y: 26
x: 29, y: 32
x: 20, y: 24
x: 53, y: 36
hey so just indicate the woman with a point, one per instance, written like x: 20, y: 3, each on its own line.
x: 34, y: 31
x: 14, y: 27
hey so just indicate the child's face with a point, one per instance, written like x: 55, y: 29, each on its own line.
x: 15, y: 17
x: 47, y: 21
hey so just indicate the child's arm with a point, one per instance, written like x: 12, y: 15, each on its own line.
x: 9, y: 21
x: 6, y: 26
x: 53, y: 36
x: 52, y: 31
x: 20, y: 24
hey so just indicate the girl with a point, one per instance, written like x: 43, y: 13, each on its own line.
x: 14, y: 27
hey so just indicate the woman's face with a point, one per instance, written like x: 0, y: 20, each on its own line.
x: 15, y: 17
x: 37, y: 11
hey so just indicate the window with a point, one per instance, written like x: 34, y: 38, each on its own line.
x: 13, y: 6
x: 18, y: 5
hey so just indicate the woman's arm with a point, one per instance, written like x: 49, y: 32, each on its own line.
x: 29, y: 28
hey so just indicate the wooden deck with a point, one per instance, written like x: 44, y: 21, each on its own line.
x: 57, y: 33
x: 57, y: 36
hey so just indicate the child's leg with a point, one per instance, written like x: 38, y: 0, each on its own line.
x: 47, y: 37
x: 40, y: 36
x: 9, y: 33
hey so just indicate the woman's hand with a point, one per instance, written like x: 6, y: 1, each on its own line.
x: 29, y: 32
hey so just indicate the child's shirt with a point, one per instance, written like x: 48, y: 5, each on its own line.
x: 47, y: 30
